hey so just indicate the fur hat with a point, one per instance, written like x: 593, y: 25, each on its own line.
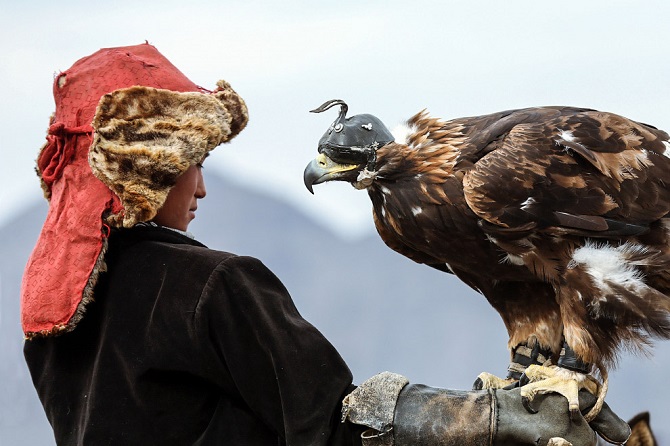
x: 145, y: 138
x: 127, y: 124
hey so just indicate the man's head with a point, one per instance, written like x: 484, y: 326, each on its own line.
x: 179, y: 207
x: 128, y: 129
x: 139, y: 123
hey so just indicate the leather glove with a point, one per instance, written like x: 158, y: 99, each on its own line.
x: 418, y: 415
x: 517, y: 426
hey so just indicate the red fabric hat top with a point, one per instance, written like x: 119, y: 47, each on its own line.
x: 68, y: 256
x: 78, y: 90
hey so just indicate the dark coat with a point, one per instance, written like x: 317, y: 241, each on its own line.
x: 185, y: 345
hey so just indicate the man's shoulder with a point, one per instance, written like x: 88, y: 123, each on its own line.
x: 169, y: 245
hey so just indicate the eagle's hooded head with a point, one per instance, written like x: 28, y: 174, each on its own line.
x: 348, y: 149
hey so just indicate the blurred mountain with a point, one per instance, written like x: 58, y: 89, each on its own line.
x: 381, y: 311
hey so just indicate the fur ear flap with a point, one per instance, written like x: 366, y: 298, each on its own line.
x: 145, y: 138
x: 235, y: 106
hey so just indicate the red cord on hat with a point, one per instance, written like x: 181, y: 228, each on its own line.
x: 58, y: 151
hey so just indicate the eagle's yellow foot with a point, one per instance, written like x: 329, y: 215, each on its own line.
x: 489, y: 381
x: 543, y: 380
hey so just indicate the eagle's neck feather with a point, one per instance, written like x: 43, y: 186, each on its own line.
x: 423, y: 145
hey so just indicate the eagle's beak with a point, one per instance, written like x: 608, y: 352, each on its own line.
x: 322, y: 169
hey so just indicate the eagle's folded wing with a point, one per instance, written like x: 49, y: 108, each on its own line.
x: 593, y: 173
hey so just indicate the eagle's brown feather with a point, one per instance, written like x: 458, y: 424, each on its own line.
x: 516, y: 202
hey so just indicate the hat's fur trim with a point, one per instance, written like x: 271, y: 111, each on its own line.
x: 145, y: 138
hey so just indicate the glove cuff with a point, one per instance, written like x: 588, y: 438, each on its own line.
x: 399, y: 413
x: 373, y: 404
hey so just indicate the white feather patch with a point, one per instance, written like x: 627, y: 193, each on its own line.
x: 402, y: 132
x: 528, y: 203
x: 605, y: 263
x: 416, y: 210
x: 567, y: 135
x: 514, y: 260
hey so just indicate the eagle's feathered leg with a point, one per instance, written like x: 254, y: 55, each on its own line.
x: 535, y: 331
x: 525, y: 355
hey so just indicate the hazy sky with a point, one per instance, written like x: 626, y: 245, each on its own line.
x: 389, y: 58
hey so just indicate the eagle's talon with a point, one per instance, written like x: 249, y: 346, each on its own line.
x: 564, y: 382
x: 512, y: 386
x: 575, y: 414
x: 523, y: 380
x: 478, y: 384
x: 526, y: 404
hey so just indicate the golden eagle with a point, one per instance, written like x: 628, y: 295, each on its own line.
x: 559, y: 216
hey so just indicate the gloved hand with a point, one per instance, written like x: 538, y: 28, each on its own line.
x: 517, y: 426
x: 418, y: 415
